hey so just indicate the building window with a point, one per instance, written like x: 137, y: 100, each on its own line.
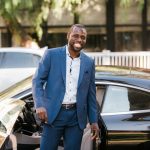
x: 96, y: 42
x: 5, y: 39
x: 56, y: 39
x: 128, y: 39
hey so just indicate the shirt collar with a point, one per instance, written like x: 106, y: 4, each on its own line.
x: 67, y: 51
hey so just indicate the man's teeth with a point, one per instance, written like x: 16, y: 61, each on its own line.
x: 77, y: 45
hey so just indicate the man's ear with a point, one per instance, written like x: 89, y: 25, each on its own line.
x: 68, y: 36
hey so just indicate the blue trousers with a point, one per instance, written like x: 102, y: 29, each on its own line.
x: 66, y: 126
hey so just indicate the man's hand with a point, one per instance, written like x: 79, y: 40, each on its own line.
x: 95, y: 131
x: 42, y: 114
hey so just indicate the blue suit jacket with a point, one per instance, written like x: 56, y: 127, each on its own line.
x: 49, y: 83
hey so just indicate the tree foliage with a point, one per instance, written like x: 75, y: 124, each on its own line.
x: 128, y: 3
x: 14, y: 13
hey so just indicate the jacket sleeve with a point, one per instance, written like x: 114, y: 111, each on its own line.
x: 40, y: 79
x: 92, y: 105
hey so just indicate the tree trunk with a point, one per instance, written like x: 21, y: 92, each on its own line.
x: 16, y: 39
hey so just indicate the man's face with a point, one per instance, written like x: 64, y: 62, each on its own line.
x: 77, y: 38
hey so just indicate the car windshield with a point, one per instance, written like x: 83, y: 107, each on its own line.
x: 18, y: 60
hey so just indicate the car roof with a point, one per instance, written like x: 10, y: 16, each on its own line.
x: 139, y: 82
x: 22, y: 50
x: 123, y: 75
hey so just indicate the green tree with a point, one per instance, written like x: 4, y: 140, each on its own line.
x: 16, y: 13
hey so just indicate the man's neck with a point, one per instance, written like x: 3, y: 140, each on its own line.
x: 74, y: 54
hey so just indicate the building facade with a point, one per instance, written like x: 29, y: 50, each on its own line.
x: 110, y: 26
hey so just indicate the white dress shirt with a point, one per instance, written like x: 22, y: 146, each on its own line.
x: 72, y: 76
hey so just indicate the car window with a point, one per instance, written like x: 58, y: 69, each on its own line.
x: 18, y: 60
x: 123, y: 99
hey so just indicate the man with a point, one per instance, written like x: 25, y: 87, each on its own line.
x: 64, y: 93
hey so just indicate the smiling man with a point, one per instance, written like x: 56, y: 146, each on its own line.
x: 65, y: 94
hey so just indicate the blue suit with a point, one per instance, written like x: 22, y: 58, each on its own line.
x: 51, y: 74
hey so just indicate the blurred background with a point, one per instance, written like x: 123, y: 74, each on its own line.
x: 115, y: 25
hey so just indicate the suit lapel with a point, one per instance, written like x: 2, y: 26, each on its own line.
x: 82, y: 68
x: 63, y: 63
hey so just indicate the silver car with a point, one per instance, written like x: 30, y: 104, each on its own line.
x: 16, y: 64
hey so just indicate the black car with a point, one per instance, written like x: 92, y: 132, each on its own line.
x: 123, y: 99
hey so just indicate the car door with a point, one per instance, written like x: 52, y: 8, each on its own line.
x: 125, y: 114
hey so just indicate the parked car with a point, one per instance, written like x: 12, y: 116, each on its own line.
x: 123, y: 107
x: 17, y: 63
x: 124, y: 102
